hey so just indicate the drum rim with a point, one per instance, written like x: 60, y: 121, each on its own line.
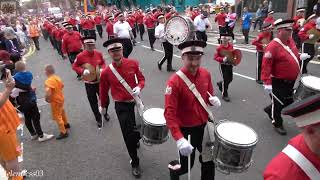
x: 308, y: 85
x: 232, y: 143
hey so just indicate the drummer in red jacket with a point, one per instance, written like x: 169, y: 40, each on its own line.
x: 139, y: 18
x: 226, y: 68
x: 98, y: 21
x: 300, y: 159
x: 109, y: 27
x: 261, y: 42
x: 185, y: 115
x: 150, y: 22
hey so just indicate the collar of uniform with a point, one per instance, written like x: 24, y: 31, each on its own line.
x: 123, y: 60
x: 89, y: 53
x: 188, y: 74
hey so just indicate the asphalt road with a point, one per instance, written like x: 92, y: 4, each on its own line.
x: 92, y: 154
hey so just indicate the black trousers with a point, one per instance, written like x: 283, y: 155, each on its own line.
x: 80, y: 29
x: 284, y: 91
x: 72, y: 56
x: 310, y: 49
x: 201, y: 36
x: 32, y: 119
x: 297, y: 39
x: 222, y: 30
x: 246, y: 35
x: 168, y: 53
x: 36, y: 42
x: 134, y: 32
x: 92, y: 33
x: 260, y: 21
x: 45, y: 34
x: 99, y: 29
x: 51, y: 41
x: 85, y: 32
x: 259, y: 63
x: 230, y: 31
x: 227, y: 75
x: 207, y: 168
x: 126, y: 116
x: 152, y: 38
x: 141, y: 30
x: 93, y: 95
x: 127, y: 47
x: 59, y: 47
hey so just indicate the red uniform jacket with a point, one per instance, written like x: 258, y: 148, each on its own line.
x: 269, y: 19
x: 296, y: 25
x: 282, y: 167
x: 139, y: 18
x: 94, y: 58
x: 149, y: 21
x: 73, y: 21
x: 50, y: 28
x: 221, y: 19
x: 278, y: 63
x: 258, y: 41
x: 182, y: 108
x: 218, y: 56
x: 83, y: 23
x: 91, y: 24
x: 303, y: 32
x: 170, y: 14
x: 98, y: 20
x: 109, y: 28
x: 194, y: 14
x: 131, y: 20
x: 128, y: 69
x: 71, y: 42
x: 54, y: 33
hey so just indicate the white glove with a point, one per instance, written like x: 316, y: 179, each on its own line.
x: 268, y: 88
x: 214, y: 100
x: 225, y: 59
x: 304, y: 56
x: 86, y: 72
x: 102, y: 110
x: 184, y: 147
x: 136, y: 91
x: 311, y: 36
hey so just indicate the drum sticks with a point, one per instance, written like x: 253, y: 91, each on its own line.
x: 189, y: 159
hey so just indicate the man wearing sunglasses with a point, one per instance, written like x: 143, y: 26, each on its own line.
x: 280, y: 69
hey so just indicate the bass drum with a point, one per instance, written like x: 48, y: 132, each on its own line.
x: 179, y: 29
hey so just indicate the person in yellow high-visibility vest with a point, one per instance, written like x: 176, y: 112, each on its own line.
x: 34, y: 33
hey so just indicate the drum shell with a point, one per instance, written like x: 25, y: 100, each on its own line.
x: 303, y: 91
x: 191, y: 30
x: 154, y: 134
x: 231, y: 157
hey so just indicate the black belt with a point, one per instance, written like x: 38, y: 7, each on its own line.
x: 283, y: 81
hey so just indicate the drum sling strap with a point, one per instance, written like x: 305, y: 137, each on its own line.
x: 137, y: 99
x: 302, y: 162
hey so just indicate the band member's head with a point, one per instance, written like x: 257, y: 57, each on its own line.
x: 204, y: 14
x: 49, y: 70
x: 301, y: 11
x: 284, y: 29
x: 89, y: 43
x: 192, y: 52
x: 230, y: 10
x: 120, y: 16
x: 225, y: 39
x: 245, y: 9
x: 68, y: 27
x: 111, y: 19
x: 222, y: 10
x: 306, y: 114
x: 161, y: 19
x: 20, y: 66
x: 270, y: 13
x: 266, y: 27
x: 114, y: 48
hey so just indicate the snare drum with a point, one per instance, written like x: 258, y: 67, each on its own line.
x: 233, y: 146
x: 154, y: 128
x: 308, y: 86
x: 179, y: 29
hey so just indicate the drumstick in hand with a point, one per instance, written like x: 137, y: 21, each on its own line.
x: 209, y: 94
x: 189, y: 160
x: 135, y: 77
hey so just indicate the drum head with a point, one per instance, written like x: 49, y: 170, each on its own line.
x: 311, y: 82
x: 236, y: 133
x: 154, y: 116
x: 177, y: 30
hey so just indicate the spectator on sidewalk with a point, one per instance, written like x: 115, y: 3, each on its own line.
x: 258, y: 18
x: 231, y: 22
x: 34, y: 33
x: 246, y: 24
x: 201, y: 24
x: 264, y: 10
x: 221, y: 20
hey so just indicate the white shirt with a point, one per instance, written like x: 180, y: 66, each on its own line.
x: 122, y: 30
x: 200, y: 24
x: 159, y: 32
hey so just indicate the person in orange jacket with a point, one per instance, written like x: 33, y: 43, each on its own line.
x: 54, y: 96
x: 9, y: 121
x: 34, y: 33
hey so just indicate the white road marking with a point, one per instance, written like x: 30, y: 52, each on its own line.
x: 237, y: 74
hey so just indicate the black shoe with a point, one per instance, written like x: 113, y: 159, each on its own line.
x: 259, y: 81
x: 226, y: 98
x: 136, y: 172
x: 107, y: 117
x: 219, y: 84
x: 152, y: 49
x: 280, y: 130
x: 62, y: 136
x: 99, y: 124
x: 138, y: 145
x: 269, y: 113
x: 67, y: 126
x: 171, y: 70
x: 159, y: 66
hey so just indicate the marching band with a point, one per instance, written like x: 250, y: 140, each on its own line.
x: 189, y: 91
